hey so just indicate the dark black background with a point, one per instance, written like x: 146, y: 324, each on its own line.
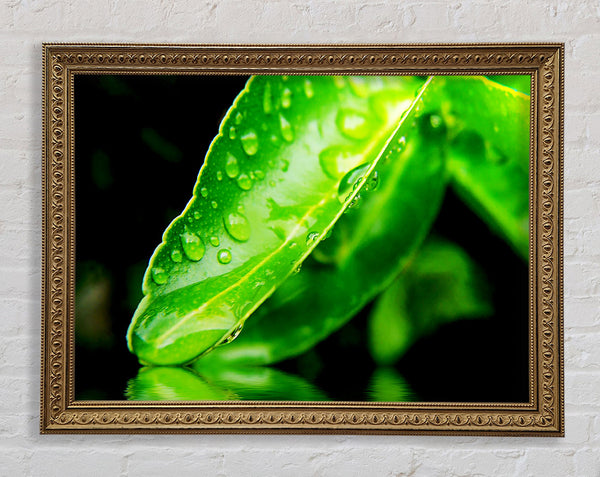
x: 140, y: 141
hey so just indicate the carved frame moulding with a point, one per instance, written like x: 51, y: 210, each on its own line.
x: 540, y: 413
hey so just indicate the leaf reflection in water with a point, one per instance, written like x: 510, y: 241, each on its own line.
x: 219, y: 384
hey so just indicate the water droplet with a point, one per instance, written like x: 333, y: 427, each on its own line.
x: 339, y: 82
x: 244, y: 182
x: 308, y: 89
x: 436, y: 121
x: 401, y: 144
x: 232, y: 133
x: 224, y: 256
x: 238, y: 118
x: 354, y: 202
x: 347, y: 184
x: 286, y: 129
x: 297, y: 270
x: 240, y: 209
x: 272, y: 183
x: 286, y: 98
x: 214, y: 241
x: 219, y: 176
x: 204, y: 192
x: 312, y: 238
x: 335, y: 161
x: 250, y: 142
x: 260, y: 175
x: 353, y: 124
x: 372, y: 181
x: 267, y: 99
x: 285, y: 77
x: 190, y: 219
x: 237, y: 226
x: 233, y: 335
x: 293, y: 245
x: 197, y: 215
x: 232, y: 168
x: 252, y: 176
x: 285, y: 165
x: 358, y: 85
x: 193, y: 247
x: 214, y: 204
x: 176, y: 255
x: 159, y: 275
x: 274, y: 139
x: 419, y: 108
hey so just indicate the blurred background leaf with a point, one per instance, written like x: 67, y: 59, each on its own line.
x: 521, y: 83
x: 442, y: 284
x: 92, y: 306
x: 488, y: 155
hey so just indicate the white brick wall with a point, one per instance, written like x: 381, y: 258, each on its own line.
x: 25, y: 24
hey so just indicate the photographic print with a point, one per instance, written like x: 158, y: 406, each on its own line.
x: 300, y: 245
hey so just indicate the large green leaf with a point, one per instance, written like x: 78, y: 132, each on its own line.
x: 441, y: 285
x: 290, y: 156
x: 219, y: 384
x: 369, y: 245
x: 489, y: 154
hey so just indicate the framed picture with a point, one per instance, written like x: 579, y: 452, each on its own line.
x: 297, y: 239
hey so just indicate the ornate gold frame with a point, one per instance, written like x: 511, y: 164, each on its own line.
x: 543, y: 415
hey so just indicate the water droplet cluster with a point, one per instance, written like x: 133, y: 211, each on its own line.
x: 337, y: 162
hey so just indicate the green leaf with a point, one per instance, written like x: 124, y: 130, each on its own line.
x: 521, y: 83
x: 224, y: 384
x: 489, y: 154
x: 441, y: 285
x: 281, y: 171
x: 369, y: 245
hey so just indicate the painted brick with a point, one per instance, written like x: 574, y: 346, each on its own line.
x: 143, y: 463
x: 581, y: 389
x: 15, y: 462
x: 548, y: 462
x: 66, y: 462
